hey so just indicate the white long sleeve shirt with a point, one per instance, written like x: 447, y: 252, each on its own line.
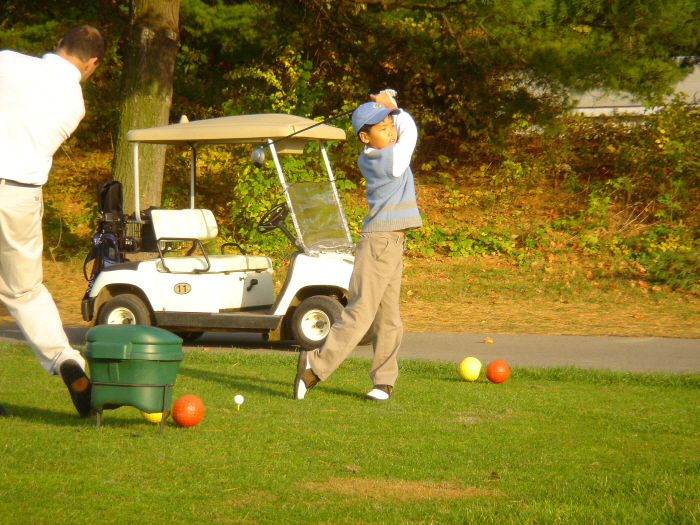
x: 406, y: 139
x: 41, y: 104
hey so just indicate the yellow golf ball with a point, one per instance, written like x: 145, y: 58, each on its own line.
x: 154, y: 417
x: 470, y: 369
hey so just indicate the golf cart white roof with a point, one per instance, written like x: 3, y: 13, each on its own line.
x: 240, y: 129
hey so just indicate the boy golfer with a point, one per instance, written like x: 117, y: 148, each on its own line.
x: 389, y: 135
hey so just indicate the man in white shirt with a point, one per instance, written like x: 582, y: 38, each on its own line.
x: 41, y: 104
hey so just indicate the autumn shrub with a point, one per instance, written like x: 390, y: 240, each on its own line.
x: 668, y: 255
x: 680, y: 270
x: 641, y: 185
x: 649, y: 167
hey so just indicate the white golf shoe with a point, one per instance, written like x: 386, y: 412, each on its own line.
x: 305, y: 378
x: 380, y: 393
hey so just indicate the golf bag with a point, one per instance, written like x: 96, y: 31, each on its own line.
x: 109, y: 241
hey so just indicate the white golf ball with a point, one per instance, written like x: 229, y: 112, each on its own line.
x: 238, y: 399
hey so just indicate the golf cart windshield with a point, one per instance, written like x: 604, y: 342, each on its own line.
x: 320, y: 222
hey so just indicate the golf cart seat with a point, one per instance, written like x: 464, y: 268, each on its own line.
x: 217, y: 264
x: 184, y: 224
x: 199, y: 225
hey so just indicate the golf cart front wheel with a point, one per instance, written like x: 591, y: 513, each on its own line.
x: 312, y: 320
x: 124, y: 309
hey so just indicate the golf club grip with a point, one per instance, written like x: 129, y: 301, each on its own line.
x: 391, y: 93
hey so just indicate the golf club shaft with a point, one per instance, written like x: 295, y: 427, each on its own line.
x: 310, y: 127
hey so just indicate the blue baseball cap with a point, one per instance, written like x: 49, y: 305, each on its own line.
x: 370, y: 113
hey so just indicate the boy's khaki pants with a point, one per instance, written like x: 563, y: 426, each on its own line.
x: 21, y: 274
x: 373, y: 302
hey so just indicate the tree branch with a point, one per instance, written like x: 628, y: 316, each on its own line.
x: 331, y: 23
x: 462, y: 52
x: 506, y: 51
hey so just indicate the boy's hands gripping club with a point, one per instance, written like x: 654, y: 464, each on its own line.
x: 386, y: 98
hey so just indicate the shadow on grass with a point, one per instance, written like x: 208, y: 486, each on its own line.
x: 42, y: 415
x: 129, y: 421
x: 236, y: 382
x: 340, y: 392
x: 254, y: 384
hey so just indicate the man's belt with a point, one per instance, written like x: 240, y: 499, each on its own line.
x: 9, y: 182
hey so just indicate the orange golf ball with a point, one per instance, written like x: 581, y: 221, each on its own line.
x: 497, y: 371
x: 187, y: 411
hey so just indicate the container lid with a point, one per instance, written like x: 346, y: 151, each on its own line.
x: 127, y: 341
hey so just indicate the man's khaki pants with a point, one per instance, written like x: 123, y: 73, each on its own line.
x: 373, y: 302
x: 21, y: 275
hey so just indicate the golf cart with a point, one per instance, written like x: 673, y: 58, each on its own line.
x: 189, y: 291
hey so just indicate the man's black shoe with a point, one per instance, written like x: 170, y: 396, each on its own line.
x: 79, y: 387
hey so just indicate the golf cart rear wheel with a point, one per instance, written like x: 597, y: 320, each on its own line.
x: 313, y: 318
x: 124, y: 309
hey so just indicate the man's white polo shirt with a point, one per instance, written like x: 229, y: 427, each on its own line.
x: 41, y: 104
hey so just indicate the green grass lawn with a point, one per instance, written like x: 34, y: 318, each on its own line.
x: 561, y: 445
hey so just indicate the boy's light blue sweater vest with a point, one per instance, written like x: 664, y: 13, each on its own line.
x: 391, y: 200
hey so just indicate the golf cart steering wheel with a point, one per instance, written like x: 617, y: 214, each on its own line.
x: 274, y: 218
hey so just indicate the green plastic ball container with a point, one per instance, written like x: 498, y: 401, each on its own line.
x: 131, y: 364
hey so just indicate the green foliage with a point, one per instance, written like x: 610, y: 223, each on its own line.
x: 474, y: 65
x: 217, y: 38
x: 651, y: 166
x: 468, y: 69
x: 486, y: 81
x: 461, y: 241
x: 679, y: 270
x: 668, y: 255
x: 64, y: 231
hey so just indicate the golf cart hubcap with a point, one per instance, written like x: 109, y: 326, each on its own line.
x: 121, y: 316
x: 316, y: 325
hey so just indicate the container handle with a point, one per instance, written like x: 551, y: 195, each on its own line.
x: 107, y: 350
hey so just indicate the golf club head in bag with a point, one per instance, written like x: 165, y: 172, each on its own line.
x: 257, y: 157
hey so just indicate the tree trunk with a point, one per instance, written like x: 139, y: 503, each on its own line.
x: 151, y: 46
